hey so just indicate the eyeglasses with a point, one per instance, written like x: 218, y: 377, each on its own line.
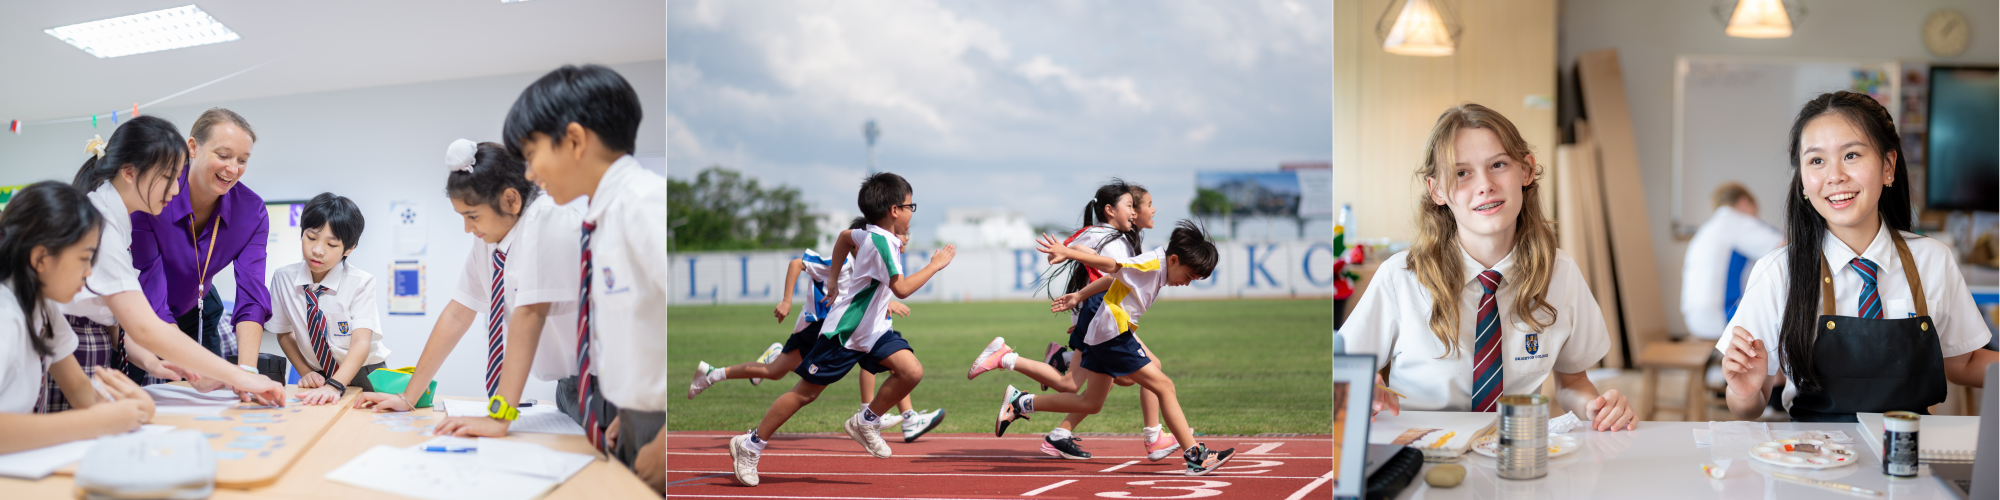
x: 911, y: 206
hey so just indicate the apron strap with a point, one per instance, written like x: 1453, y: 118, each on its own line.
x: 1910, y: 271
x: 1826, y: 304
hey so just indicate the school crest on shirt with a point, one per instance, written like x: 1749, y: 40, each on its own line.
x: 1533, y: 344
x: 611, y: 282
x: 343, y: 328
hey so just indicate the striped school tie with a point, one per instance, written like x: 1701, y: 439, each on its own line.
x: 1871, y: 302
x: 316, y: 323
x: 1487, y: 379
x: 584, y: 380
x: 496, y: 325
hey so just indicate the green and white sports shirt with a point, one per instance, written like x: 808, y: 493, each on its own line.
x: 861, y: 314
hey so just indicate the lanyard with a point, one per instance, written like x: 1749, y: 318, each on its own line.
x: 201, y: 280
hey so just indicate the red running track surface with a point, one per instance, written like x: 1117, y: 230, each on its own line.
x: 964, y: 466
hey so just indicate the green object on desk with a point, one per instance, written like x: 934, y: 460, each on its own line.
x: 395, y: 381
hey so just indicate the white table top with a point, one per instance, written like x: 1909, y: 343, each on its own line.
x: 1661, y: 460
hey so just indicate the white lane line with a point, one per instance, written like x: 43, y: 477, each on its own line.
x: 1120, y: 466
x: 1039, y: 491
x: 1309, y: 486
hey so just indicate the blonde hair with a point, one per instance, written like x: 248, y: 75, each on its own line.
x: 1435, y: 256
x: 1728, y: 193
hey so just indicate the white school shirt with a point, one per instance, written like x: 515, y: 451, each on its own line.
x: 815, y: 270
x: 21, y: 371
x: 1133, y: 287
x: 1092, y: 238
x: 1705, y: 274
x: 628, y: 288
x: 878, y: 255
x: 1960, y: 328
x: 1392, y: 321
x: 348, y: 305
x: 113, y: 272
x: 542, y: 268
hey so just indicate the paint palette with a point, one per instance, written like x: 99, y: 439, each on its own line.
x: 1559, y: 445
x: 1804, y: 453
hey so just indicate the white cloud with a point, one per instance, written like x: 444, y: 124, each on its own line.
x: 1201, y: 134
x: 1040, y: 68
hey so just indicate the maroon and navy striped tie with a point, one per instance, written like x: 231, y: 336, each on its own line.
x: 317, y: 325
x: 583, y: 348
x: 496, y: 325
x: 1871, y: 302
x: 1487, y: 379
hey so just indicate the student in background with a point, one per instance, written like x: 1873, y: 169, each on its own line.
x: 138, y: 172
x: 48, y: 239
x: 1483, y: 304
x: 518, y: 271
x: 1719, y: 258
x: 1865, y: 315
x: 324, y: 309
x: 576, y: 127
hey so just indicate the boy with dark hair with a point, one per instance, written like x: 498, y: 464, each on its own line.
x: 576, y: 127
x: 856, y: 330
x: 329, y: 301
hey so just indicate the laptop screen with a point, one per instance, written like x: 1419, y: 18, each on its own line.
x: 1353, y: 394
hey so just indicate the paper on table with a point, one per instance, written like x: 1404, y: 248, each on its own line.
x: 434, y: 476
x: 462, y: 408
x: 177, y: 400
x: 39, y: 463
x: 545, y: 419
x: 1734, y: 439
x: 529, y: 458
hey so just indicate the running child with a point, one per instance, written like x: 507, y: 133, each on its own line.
x: 1111, y: 347
x: 856, y: 330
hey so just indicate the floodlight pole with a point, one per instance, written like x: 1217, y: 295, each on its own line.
x: 870, y: 131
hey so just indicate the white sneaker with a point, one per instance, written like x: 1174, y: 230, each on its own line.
x: 868, y: 434
x: 701, y: 382
x: 887, y: 421
x: 770, y: 354
x: 745, y: 460
x: 915, y: 425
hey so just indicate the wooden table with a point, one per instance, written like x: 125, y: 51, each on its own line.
x: 321, y: 438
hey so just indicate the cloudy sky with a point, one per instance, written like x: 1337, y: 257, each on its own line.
x: 1024, y: 105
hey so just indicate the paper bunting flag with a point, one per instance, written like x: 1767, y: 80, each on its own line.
x: 15, y: 127
x: 114, y: 117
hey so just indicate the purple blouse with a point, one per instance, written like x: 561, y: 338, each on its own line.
x: 169, y: 257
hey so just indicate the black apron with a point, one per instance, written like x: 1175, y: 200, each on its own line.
x: 1873, y: 365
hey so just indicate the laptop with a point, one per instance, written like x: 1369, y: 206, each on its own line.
x: 1960, y: 478
x: 1354, y: 394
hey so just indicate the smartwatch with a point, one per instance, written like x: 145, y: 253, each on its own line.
x: 337, y: 386
x: 498, y: 408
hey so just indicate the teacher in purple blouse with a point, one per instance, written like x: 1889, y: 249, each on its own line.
x: 214, y: 222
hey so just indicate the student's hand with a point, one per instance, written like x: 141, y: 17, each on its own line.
x: 321, y: 395
x: 943, y: 256
x: 472, y: 427
x: 311, y: 380
x: 382, y: 402
x: 1384, y: 400
x: 651, y: 466
x: 122, y: 416
x: 1610, y: 412
x: 1050, y: 244
x: 205, y: 384
x: 1066, y: 302
x: 1745, y: 365
x: 123, y: 389
x: 167, y: 370
x: 611, y: 435
x: 899, y: 309
x: 784, y: 309
x: 261, y: 387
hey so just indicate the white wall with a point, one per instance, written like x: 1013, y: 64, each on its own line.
x: 372, y: 145
x: 1298, y: 268
x: 1649, y: 34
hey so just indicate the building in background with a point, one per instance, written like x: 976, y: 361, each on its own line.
x: 970, y: 228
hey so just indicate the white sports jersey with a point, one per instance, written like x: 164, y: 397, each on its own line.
x: 860, y: 315
x: 1137, y: 282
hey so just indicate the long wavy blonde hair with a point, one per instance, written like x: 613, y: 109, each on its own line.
x: 1435, y: 257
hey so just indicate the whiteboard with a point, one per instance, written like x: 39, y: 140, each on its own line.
x: 1733, y: 120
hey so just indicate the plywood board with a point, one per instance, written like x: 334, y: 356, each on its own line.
x: 1631, y: 231
x: 1583, y: 234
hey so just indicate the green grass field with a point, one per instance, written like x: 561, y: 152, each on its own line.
x: 1241, y: 366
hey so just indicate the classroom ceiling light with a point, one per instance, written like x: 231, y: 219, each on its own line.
x: 166, y: 29
x: 1760, y: 18
x: 1418, y: 28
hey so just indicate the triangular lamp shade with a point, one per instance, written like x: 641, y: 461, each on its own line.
x: 1419, y: 31
x: 1759, y: 19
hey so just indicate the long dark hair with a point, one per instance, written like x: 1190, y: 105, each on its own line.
x: 147, y: 143
x: 50, y: 215
x: 493, y: 171
x: 1806, y: 228
x: 1093, y: 214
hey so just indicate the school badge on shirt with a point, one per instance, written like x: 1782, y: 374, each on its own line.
x: 1532, y: 344
x: 343, y: 328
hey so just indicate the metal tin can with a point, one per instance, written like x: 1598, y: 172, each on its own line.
x: 1899, y: 443
x: 1524, y: 436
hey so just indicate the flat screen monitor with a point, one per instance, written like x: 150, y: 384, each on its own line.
x: 1963, y: 155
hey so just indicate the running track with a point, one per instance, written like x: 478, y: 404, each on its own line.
x: 965, y: 466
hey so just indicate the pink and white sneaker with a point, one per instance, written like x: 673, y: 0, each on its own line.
x: 989, y: 359
x: 1162, y: 448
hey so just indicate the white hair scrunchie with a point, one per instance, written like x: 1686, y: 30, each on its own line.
x: 458, y: 157
x: 95, y: 146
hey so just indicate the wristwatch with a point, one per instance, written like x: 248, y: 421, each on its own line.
x: 498, y: 408
x: 338, y: 388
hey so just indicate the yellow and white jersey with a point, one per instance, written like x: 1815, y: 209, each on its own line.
x: 1136, y: 283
